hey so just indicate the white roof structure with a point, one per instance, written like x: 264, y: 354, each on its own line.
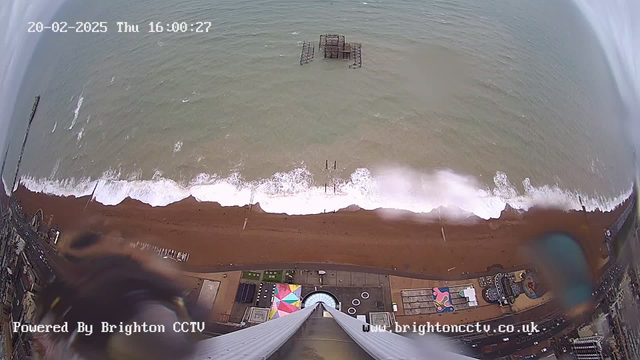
x: 470, y: 294
x: 256, y: 315
x: 208, y: 294
x: 380, y: 319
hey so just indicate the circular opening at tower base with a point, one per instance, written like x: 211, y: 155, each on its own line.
x: 320, y: 296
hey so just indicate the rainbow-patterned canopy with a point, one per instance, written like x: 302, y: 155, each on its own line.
x: 286, y: 300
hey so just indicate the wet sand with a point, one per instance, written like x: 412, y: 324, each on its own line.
x: 214, y: 235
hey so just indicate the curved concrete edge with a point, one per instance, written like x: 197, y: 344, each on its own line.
x: 380, y: 345
x: 387, y: 345
x: 256, y: 342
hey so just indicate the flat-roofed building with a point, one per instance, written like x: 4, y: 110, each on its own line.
x: 587, y: 348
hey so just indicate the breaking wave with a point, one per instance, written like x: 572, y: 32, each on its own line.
x: 296, y: 193
x: 177, y: 147
x: 76, y: 111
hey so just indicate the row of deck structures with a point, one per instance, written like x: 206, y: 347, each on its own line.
x: 427, y: 301
x: 163, y: 252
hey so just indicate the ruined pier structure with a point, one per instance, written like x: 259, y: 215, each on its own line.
x: 333, y: 46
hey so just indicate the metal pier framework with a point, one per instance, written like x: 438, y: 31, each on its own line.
x: 333, y: 46
x: 308, y: 52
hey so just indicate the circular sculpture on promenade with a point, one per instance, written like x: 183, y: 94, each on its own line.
x: 532, y: 286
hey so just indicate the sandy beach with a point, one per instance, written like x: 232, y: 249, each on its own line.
x: 218, y: 236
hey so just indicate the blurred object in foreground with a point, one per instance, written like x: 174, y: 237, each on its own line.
x: 562, y: 262
x: 136, y: 295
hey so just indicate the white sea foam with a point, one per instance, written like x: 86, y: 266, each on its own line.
x: 296, y: 193
x: 177, y: 147
x: 76, y: 111
x: 80, y: 134
x: 136, y: 175
x: 157, y: 175
x: 54, y: 127
x: 55, y: 169
x: 67, y: 187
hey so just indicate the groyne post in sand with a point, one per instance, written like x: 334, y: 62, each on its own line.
x: 26, y: 135
x: 584, y: 210
x: 326, y: 167
x: 93, y: 194
x: 335, y: 164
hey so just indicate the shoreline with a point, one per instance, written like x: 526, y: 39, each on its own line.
x: 437, y: 194
x: 214, y: 237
